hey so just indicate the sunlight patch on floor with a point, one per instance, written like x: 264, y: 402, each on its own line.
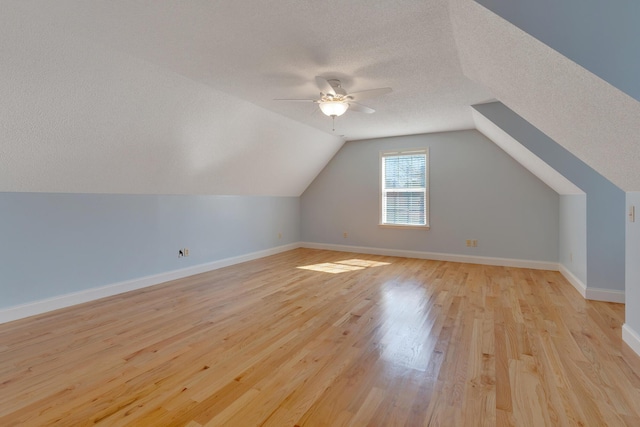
x: 343, y: 266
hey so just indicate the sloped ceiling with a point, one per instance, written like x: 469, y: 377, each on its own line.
x: 177, y: 97
x: 598, y: 123
x: 525, y: 157
x: 258, y: 51
x: 77, y: 116
x: 600, y: 36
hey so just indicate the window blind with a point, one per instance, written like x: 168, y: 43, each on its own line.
x: 404, y: 188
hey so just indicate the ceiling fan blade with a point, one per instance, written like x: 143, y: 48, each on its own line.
x: 364, y: 94
x: 360, y: 108
x: 324, y: 86
x: 296, y: 100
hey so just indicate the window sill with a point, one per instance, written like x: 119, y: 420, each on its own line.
x: 405, y: 227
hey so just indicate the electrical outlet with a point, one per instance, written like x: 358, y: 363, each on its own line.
x: 344, y: 234
x: 186, y: 251
x: 474, y: 243
x: 468, y: 243
x: 279, y: 236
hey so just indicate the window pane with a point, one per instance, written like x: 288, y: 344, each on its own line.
x: 405, y: 171
x: 405, y: 207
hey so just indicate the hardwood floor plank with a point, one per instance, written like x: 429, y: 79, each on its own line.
x: 320, y: 338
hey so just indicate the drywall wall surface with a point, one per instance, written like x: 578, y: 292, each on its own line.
x: 477, y: 191
x: 632, y: 293
x: 573, y: 235
x: 600, y: 36
x: 55, y: 244
x: 605, y: 201
x: 77, y: 117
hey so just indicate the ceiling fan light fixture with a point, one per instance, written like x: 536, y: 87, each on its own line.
x: 333, y: 108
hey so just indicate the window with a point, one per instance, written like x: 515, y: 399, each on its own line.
x: 404, y: 188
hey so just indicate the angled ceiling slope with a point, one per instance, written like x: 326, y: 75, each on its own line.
x: 259, y: 52
x: 595, y: 121
x: 525, y: 157
x: 604, y: 35
x: 252, y: 51
x: 80, y: 117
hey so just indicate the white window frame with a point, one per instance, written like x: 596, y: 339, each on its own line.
x: 381, y: 180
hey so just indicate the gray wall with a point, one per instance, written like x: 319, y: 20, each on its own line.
x: 573, y: 235
x: 601, y: 36
x: 54, y: 244
x: 477, y: 192
x: 605, y: 201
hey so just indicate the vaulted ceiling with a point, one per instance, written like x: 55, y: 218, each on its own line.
x: 259, y: 51
x: 178, y: 97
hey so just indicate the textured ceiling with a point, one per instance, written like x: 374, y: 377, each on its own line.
x: 259, y: 51
x: 79, y: 117
x: 598, y: 123
x: 149, y: 96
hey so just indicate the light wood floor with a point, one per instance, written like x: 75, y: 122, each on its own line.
x: 350, y: 340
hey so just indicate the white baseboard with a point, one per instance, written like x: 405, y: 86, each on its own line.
x: 631, y: 337
x: 49, y: 304
x: 595, y: 294
x: 504, y: 262
x: 571, y: 278
x: 606, y: 295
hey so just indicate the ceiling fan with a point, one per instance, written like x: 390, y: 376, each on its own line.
x: 334, y: 101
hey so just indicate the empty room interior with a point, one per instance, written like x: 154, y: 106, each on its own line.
x: 319, y: 213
